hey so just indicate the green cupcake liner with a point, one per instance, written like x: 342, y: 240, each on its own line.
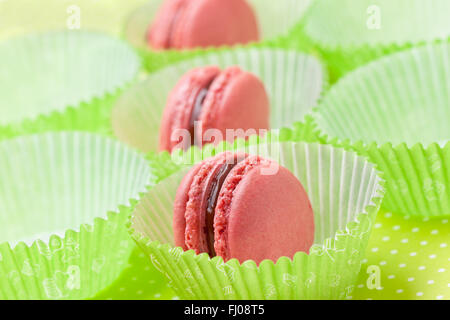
x: 62, y: 80
x: 351, y: 33
x: 345, y: 191
x: 60, y: 235
x: 294, y: 82
x: 399, y: 107
x: 21, y: 17
x: 277, y: 19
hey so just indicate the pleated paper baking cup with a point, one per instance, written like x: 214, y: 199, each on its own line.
x: 60, y: 235
x: 345, y: 191
x: 293, y: 80
x: 62, y: 81
x: 351, y: 33
x: 276, y: 20
x: 396, y: 111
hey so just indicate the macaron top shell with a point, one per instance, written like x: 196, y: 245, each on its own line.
x: 262, y: 216
x: 202, y: 23
x: 235, y: 100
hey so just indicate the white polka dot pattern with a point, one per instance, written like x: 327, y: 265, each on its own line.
x: 413, y: 256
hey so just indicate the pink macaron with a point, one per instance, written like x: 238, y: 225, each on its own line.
x: 242, y: 207
x: 208, y: 105
x: 202, y: 23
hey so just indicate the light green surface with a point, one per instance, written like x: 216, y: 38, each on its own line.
x: 413, y: 256
x: 139, y: 281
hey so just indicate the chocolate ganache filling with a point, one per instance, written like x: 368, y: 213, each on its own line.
x: 196, y: 111
x: 216, y: 184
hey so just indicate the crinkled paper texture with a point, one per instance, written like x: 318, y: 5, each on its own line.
x: 400, y: 110
x: 61, y: 234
